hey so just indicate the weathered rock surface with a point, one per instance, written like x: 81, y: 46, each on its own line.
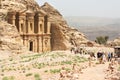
x: 12, y: 5
x: 115, y: 42
x: 20, y: 5
x: 30, y: 4
x: 63, y: 36
x: 114, y: 76
x: 3, y: 14
x: 10, y: 40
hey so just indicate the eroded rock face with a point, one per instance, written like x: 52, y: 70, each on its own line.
x: 20, y: 5
x: 12, y: 5
x: 63, y: 37
x: 30, y: 4
x: 10, y: 40
x: 3, y: 14
x: 117, y: 41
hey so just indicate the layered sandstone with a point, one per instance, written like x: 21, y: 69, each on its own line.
x: 63, y: 36
x: 20, y: 5
x: 10, y: 40
x: 31, y: 23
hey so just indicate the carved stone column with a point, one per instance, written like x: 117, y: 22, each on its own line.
x: 30, y: 23
x: 40, y: 44
x: 25, y: 41
x: 22, y: 23
x: 40, y: 23
x: 46, y: 43
x: 48, y: 27
x: 35, y: 44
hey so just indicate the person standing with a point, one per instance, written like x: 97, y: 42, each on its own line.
x: 109, y: 56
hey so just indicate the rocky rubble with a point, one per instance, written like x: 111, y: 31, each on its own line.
x: 114, y: 76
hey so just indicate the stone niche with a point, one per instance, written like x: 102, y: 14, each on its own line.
x: 34, y: 29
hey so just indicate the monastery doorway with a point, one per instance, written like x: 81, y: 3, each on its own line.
x: 31, y: 46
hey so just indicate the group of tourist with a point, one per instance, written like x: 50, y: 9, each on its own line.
x: 77, y: 50
x: 103, y: 57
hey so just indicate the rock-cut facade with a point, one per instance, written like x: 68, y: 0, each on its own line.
x: 34, y: 29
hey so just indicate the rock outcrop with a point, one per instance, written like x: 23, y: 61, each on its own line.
x: 115, y: 42
x: 10, y: 40
x: 11, y: 5
x: 20, y: 5
x: 63, y: 36
x: 3, y: 14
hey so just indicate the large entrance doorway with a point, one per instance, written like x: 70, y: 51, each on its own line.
x: 31, y: 46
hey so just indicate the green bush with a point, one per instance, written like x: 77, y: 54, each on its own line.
x: 8, y: 78
x: 66, y: 62
x: 5, y: 78
x: 11, y: 59
x: 37, y: 77
x: 28, y: 74
x: 46, y: 71
x: 67, y: 69
x: 55, y: 70
x: 119, y: 68
x: 102, y: 39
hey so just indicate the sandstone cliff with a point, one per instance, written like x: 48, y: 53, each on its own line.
x: 20, y: 5
x: 10, y: 40
x: 63, y: 36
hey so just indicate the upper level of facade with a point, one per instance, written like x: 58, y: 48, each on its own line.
x: 30, y: 23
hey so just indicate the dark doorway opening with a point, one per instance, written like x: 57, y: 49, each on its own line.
x: 31, y: 46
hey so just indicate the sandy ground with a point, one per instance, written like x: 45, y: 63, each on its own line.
x: 94, y: 73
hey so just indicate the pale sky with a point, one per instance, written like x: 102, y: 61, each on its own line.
x: 98, y: 8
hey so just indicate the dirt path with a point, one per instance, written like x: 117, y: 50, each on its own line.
x: 94, y: 73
